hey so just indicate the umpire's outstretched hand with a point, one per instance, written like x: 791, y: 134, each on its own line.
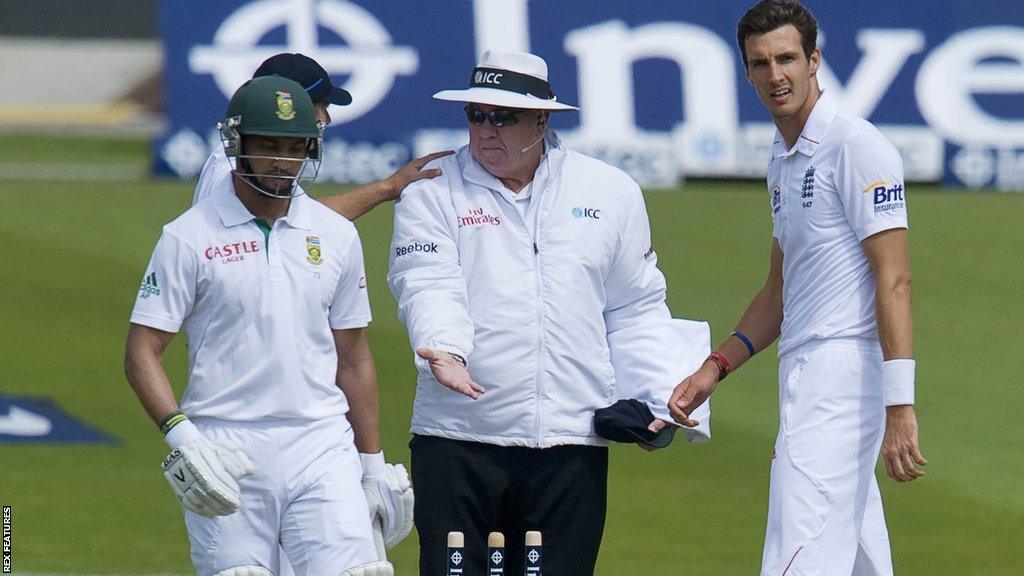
x: 450, y: 372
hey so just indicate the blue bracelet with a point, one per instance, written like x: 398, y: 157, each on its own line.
x: 746, y: 341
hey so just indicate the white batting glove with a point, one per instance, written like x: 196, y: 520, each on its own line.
x: 389, y: 496
x: 204, y: 474
x: 373, y: 569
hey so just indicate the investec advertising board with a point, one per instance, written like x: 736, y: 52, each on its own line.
x: 660, y: 84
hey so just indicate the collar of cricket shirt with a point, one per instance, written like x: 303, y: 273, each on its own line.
x: 815, y: 128
x: 232, y: 212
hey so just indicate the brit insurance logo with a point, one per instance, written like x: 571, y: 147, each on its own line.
x: 886, y: 197
x: 776, y: 200
x: 367, y: 57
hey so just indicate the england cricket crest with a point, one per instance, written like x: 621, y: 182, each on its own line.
x: 285, y: 107
x: 313, y: 254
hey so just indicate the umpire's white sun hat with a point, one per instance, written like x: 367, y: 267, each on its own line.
x: 508, y: 79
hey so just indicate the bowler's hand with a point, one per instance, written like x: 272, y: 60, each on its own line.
x: 450, y: 372
x: 900, y: 450
x: 692, y: 392
x: 411, y: 172
x: 656, y: 427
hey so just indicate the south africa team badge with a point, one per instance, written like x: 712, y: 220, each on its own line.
x: 313, y: 255
x: 285, y: 107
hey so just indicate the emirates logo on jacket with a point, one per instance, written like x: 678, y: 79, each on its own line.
x: 477, y: 217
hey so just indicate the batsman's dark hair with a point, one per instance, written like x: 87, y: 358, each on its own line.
x: 769, y: 15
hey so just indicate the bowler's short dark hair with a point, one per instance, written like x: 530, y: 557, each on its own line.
x: 769, y: 15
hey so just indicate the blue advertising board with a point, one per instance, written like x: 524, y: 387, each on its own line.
x: 29, y: 420
x: 660, y: 84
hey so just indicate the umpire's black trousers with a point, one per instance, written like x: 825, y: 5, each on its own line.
x: 479, y: 488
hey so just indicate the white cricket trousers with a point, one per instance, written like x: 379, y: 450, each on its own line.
x: 305, y: 494
x: 824, y: 509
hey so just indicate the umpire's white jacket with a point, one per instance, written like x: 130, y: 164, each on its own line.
x: 531, y: 302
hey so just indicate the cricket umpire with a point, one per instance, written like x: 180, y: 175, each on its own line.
x: 270, y: 290
x: 838, y: 292
x: 513, y: 271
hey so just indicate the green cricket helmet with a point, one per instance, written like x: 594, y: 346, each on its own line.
x: 277, y: 107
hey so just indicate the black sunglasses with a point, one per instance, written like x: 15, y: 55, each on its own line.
x: 499, y: 117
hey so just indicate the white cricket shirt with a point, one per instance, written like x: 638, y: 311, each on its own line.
x: 257, y: 308
x: 558, y: 313
x: 840, y: 183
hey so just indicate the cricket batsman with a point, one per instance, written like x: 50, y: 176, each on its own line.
x: 352, y: 204
x: 838, y: 292
x: 270, y: 290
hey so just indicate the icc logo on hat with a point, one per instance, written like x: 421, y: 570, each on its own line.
x: 482, y: 77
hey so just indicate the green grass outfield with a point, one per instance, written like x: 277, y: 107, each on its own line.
x: 74, y: 254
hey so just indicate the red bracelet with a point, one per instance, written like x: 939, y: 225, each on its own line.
x: 723, y: 364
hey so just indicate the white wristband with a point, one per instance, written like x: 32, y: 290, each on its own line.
x: 182, y: 433
x: 374, y: 465
x: 898, y: 381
